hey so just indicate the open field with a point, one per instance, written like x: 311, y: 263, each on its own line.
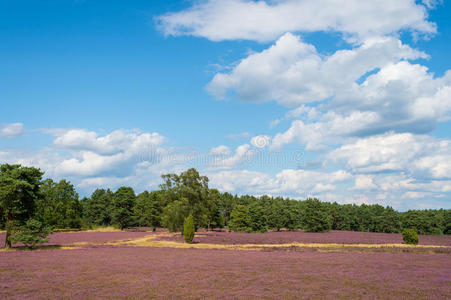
x: 334, y: 236
x: 158, y: 265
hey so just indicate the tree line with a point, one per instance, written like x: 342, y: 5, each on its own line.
x: 25, y: 195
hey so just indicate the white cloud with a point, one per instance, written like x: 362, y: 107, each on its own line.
x: 220, y: 150
x: 370, y: 89
x: 242, y: 155
x: 261, y: 141
x: 116, y: 141
x: 12, y: 130
x: 420, y: 155
x: 293, y: 72
x: 267, y: 20
x: 364, y: 182
x: 287, y: 182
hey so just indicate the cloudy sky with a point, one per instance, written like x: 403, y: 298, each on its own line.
x: 345, y: 100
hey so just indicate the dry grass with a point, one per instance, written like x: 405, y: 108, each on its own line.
x: 99, y: 229
x: 152, y: 241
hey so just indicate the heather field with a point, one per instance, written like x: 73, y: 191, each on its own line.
x: 138, y: 265
x: 334, y: 236
x: 69, y: 238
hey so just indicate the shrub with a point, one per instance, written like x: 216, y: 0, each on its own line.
x: 188, y: 229
x: 31, y: 234
x: 410, y: 236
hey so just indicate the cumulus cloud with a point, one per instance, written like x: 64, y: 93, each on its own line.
x: 116, y: 141
x: 227, y: 160
x: 293, y: 72
x: 302, y: 183
x: 420, y: 155
x: 12, y: 130
x: 364, y: 182
x: 264, y: 21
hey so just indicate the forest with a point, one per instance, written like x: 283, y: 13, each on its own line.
x: 25, y: 195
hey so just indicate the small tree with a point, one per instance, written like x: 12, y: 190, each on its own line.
x: 410, y: 236
x: 188, y: 229
x: 31, y: 234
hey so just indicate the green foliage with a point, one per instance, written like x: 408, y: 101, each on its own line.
x: 192, y: 190
x: 99, y: 207
x: 23, y: 195
x: 31, y: 234
x: 446, y: 220
x: 174, y: 215
x: 315, y: 216
x: 240, y: 220
x: 148, y: 209
x: 19, y: 191
x: 424, y: 221
x: 257, y: 216
x: 123, y: 203
x: 59, y: 207
x: 188, y: 229
x: 410, y: 236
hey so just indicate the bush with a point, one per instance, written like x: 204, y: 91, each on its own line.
x: 188, y: 229
x: 410, y: 236
x: 31, y: 234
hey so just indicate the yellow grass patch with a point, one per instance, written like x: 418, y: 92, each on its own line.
x: 100, y: 229
x: 151, y: 241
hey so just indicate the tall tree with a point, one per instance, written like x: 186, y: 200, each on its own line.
x: 147, y: 209
x: 98, y: 208
x: 19, y: 191
x: 123, y: 203
x: 315, y: 216
x: 59, y: 207
x: 240, y: 219
x: 192, y: 190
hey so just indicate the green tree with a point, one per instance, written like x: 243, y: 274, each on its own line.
x: 59, y: 207
x: 240, y: 220
x: 147, y: 209
x: 257, y: 217
x: 19, y: 191
x: 315, y: 216
x: 174, y: 215
x: 277, y: 214
x: 123, y: 203
x: 31, y: 234
x: 227, y: 203
x: 192, y: 190
x: 215, y: 218
x: 423, y: 221
x: 98, y: 208
x: 188, y: 229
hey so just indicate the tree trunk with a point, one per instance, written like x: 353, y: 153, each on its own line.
x: 8, y: 227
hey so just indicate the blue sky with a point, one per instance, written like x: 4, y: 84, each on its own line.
x: 349, y: 103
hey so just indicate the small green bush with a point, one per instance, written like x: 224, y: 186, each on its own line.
x: 410, y: 236
x: 31, y: 234
x: 188, y: 229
